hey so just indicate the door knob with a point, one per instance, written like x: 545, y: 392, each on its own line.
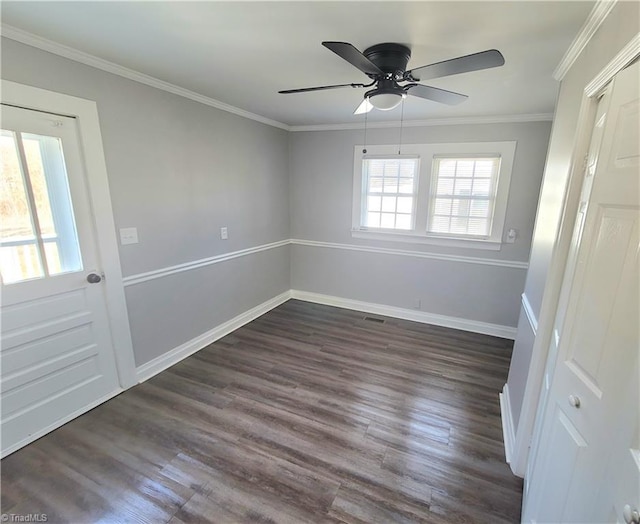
x: 93, y: 278
x: 574, y: 401
x: 631, y: 515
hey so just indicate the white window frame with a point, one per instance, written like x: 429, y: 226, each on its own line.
x: 427, y: 154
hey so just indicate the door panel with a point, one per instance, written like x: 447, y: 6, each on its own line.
x: 57, y: 358
x: 597, y: 357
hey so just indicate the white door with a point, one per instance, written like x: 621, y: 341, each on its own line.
x: 587, y: 466
x: 57, y: 359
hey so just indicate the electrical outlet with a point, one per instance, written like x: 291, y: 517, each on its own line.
x: 128, y: 235
x: 417, y: 303
x: 223, y: 233
x: 512, y: 234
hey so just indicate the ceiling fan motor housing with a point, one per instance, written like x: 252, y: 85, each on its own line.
x: 390, y: 58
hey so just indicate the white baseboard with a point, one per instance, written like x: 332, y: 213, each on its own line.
x: 474, y: 326
x: 508, y: 432
x: 166, y: 360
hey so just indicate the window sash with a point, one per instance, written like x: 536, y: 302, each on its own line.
x: 380, y: 216
x: 463, y: 213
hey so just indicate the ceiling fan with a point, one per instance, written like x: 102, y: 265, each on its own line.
x: 386, y: 66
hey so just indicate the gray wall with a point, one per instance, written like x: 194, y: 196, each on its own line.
x: 178, y: 171
x: 321, y: 172
x: 616, y: 31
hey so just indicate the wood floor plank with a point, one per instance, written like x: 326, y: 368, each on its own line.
x: 307, y: 414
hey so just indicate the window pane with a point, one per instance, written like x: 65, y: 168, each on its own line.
x: 458, y: 225
x: 391, y: 168
x: 405, y: 185
x: 405, y: 205
x: 479, y: 208
x: 445, y: 186
x: 374, y: 203
x: 53, y: 257
x: 389, y: 204
x: 478, y: 226
x: 407, y: 168
x: 39, y: 185
x: 403, y: 221
x: 447, y: 168
x: 373, y: 220
x: 388, y: 220
x: 460, y: 207
x: 464, y: 168
x: 442, y: 206
x: 14, y: 207
x: 19, y: 263
x: 375, y: 185
x: 482, y: 187
x: 472, y: 183
x: 463, y: 186
x: 22, y: 261
x: 385, y: 179
x: 440, y: 224
x: 48, y: 175
x: 484, y: 168
x: 390, y: 185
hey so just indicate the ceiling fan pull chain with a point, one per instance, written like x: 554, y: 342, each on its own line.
x: 364, y: 149
x: 401, y: 121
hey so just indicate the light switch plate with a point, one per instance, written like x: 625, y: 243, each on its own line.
x: 223, y: 233
x: 128, y: 235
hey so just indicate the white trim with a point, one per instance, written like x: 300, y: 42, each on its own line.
x: 452, y: 121
x: 508, y: 433
x: 402, y: 236
x: 138, y: 278
x: 598, y: 14
x: 166, y: 360
x: 531, y: 317
x: 626, y: 55
x: 90, y: 138
x: 58, y: 423
x: 56, y: 48
x: 423, y: 317
x: 187, y: 266
x: 418, y: 254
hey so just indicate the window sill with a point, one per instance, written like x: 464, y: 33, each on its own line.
x: 414, y: 238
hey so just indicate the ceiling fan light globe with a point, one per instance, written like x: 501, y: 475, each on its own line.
x: 386, y: 101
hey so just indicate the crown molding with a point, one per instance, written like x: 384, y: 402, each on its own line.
x: 626, y: 55
x: 56, y: 48
x: 469, y: 120
x: 30, y: 39
x: 597, y: 15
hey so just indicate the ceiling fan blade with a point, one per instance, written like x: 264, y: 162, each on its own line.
x: 437, y: 95
x: 363, y: 108
x: 354, y: 57
x: 455, y: 66
x: 319, y: 88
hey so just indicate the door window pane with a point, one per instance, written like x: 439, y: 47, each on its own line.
x: 19, y: 256
x: 36, y: 214
x: 48, y: 175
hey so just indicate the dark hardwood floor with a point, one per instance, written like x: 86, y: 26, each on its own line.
x: 307, y: 414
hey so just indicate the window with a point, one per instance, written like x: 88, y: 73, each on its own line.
x: 390, y: 192
x: 445, y: 194
x: 463, y: 196
x: 37, y: 229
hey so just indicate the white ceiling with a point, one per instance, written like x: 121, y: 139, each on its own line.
x: 242, y: 53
